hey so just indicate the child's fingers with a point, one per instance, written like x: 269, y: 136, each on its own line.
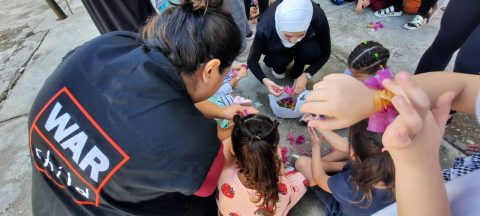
x: 394, y: 87
x: 442, y: 110
x: 408, y: 115
x: 418, y: 98
x: 396, y: 135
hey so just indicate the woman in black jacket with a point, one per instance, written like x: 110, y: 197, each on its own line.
x: 291, y: 30
x: 114, y: 129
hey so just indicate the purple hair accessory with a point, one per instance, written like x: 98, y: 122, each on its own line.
x: 379, y: 121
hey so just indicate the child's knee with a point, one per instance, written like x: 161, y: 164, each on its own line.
x: 302, y: 162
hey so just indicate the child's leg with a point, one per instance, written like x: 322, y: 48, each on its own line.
x: 304, y: 166
x: 335, y: 156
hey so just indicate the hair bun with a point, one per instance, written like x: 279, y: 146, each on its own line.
x: 202, y: 4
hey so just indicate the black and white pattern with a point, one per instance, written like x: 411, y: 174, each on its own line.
x: 462, y: 166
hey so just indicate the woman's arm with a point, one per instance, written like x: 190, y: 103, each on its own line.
x: 211, y: 110
x: 259, y: 44
x: 322, y: 36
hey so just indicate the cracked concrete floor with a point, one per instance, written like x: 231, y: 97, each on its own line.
x: 33, y: 42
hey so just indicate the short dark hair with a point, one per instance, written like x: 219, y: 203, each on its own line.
x: 192, y: 33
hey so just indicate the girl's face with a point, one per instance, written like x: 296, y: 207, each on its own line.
x: 294, y: 37
x: 358, y: 74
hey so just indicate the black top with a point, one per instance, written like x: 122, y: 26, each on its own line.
x: 114, y: 131
x: 267, y: 40
x: 119, y: 15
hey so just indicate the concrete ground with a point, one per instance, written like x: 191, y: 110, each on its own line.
x: 33, y: 42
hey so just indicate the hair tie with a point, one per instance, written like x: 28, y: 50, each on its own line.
x: 256, y: 137
x: 384, y: 149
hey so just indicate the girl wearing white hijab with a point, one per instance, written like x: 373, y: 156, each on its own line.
x: 290, y: 30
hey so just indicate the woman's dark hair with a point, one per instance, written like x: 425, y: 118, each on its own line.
x: 369, y: 56
x: 193, y: 32
x: 255, y: 139
x: 370, y: 164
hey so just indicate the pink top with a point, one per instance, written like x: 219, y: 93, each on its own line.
x: 233, y: 198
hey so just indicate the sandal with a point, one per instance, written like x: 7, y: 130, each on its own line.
x: 389, y: 11
x: 416, y: 23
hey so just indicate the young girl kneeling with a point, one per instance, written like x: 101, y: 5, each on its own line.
x: 364, y: 186
x: 253, y: 181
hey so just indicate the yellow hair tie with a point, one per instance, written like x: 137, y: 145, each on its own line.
x: 383, y: 98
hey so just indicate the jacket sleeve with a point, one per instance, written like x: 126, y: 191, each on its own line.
x: 322, y: 35
x: 259, y: 45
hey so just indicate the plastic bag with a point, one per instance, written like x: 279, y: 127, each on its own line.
x: 283, y: 112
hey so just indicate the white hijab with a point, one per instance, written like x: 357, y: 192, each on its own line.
x: 293, y: 16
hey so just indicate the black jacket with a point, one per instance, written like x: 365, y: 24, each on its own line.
x: 114, y: 131
x: 267, y: 40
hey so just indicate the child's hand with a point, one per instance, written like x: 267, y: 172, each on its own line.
x: 342, y: 99
x: 359, y: 7
x: 416, y: 128
x: 316, y: 140
x: 232, y: 110
x: 242, y: 73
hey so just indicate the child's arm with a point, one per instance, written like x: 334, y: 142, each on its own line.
x: 224, y: 133
x: 359, y: 7
x: 335, y: 95
x: 319, y: 175
x: 228, y: 152
x: 335, y: 140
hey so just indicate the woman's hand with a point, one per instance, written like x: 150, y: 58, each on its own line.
x: 232, y: 110
x: 247, y: 110
x: 300, y: 83
x: 342, y: 99
x: 272, y: 87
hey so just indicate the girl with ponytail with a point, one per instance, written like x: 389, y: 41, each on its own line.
x: 253, y: 181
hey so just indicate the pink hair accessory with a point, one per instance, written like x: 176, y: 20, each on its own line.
x: 379, y: 121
